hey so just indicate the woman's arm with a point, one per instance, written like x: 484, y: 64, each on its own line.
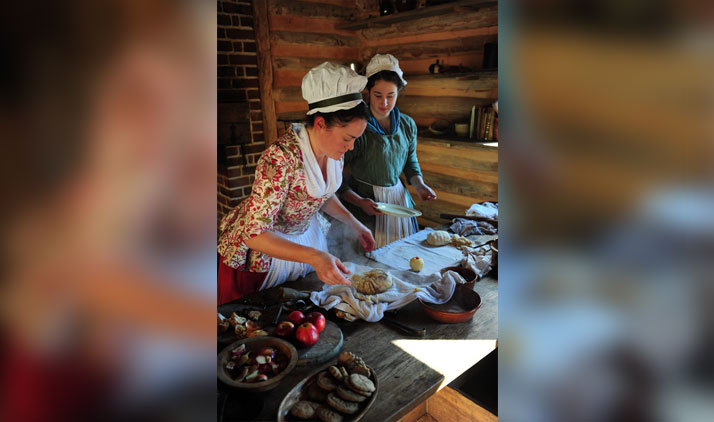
x: 424, y: 191
x: 366, y: 204
x: 334, y: 207
x: 329, y: 268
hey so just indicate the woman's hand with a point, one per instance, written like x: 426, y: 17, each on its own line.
x: 329, y: 268
x: 364, y: 235
x: 425, y: 192
x: 369, y: 206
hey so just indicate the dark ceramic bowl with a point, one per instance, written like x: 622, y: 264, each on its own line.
x: 460, y: 308
x: 466, y: 273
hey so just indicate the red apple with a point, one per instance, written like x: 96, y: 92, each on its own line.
x: 307, y: 334
x: 316, y: 319
x: 296, y: 317
x: 284, y: 330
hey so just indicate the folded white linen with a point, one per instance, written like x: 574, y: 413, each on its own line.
x: 433, y: 289
x: 485, y: 209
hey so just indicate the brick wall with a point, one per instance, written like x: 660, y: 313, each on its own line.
x: 240, y: 120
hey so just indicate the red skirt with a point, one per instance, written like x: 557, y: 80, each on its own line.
x: 234, y: 284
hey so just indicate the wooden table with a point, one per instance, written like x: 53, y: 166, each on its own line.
x: 409, y: 370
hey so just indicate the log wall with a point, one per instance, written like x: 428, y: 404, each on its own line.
x: 295, y: 35
x: 301, y: 35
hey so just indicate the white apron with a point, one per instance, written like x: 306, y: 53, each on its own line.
x: 280, y: 270
x: 389, y: 228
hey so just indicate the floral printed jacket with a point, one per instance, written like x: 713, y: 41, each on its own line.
x: 279, y: 202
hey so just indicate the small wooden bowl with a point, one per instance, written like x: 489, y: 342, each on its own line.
x: 299, y: 392
x: 253, y: 344
x: 467, y: 274
x: 460, y: 308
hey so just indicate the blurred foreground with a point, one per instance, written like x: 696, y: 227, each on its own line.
x: 607, y: 210
x: 108, y: 125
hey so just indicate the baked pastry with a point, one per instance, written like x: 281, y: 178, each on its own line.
x: 336, y: 373
x: 350, y: 395
x: 304, y: 409
x: 360, y: 384
x: 314, y: 392
x: 438, y: 238
x: 328, y: 415
x: 326, y: 382
x: 372, y: 282
x: 341, y: 405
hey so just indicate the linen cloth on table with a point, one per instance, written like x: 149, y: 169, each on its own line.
x: 397, y: 254
x: 406, y: 287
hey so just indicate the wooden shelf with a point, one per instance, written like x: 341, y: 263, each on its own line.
x: 428, y: 137
x: 442, y: 9
x: 488, y: 76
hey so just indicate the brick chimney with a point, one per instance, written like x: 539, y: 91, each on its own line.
x: 240, y: 120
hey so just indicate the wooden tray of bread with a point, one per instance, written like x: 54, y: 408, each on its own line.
x: 342, y: 391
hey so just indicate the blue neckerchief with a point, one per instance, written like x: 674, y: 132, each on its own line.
x: 374, y: 126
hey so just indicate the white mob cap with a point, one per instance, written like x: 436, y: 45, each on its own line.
x: 382, y: 62
x: 330, y: 87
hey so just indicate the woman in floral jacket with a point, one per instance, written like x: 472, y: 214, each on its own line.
x: 277, y: 233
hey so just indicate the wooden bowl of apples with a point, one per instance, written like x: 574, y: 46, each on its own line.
x: 256, y: 363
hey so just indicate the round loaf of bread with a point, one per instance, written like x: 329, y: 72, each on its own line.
x: 372, y: 282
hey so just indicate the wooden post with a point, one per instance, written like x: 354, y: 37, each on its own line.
x: 265, y: 71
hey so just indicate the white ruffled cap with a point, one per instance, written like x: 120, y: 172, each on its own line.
x: 382, y: 62
x: 328, y: 81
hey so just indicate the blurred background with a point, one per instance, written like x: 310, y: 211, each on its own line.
x: 607, y: 209
x: 108, y: 124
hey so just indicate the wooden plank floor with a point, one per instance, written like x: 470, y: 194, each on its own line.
x: 448, y: 405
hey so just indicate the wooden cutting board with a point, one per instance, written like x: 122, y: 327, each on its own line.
x: 326, y: 348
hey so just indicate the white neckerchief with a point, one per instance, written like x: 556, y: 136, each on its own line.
x: 316, y: 186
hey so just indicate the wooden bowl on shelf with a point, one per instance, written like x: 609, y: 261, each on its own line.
x: 253, y: 345
x: 460, y: 308
x: 468, y: 275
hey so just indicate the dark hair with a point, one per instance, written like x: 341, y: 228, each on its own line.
x: 340, y: 117
x: 385, y: 75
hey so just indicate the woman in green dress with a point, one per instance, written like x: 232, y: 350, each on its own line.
x: 385, y: 151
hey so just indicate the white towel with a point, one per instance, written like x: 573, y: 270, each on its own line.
x: 432, y: 289
x: 486, y: 209
x: 316, y: 186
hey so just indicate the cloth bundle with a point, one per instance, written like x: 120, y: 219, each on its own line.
x: 465, y: 227
x: 352, y: 305
x: 479, y: 260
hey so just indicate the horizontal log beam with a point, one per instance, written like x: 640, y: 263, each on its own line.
x: 307, y: 24
x: 458, y: 157
x: 439, y: 34
x: 430, y: 48
x: 455, y: 172
x: 309, y: 9
x: 316, y: 40
x: 299, y: 50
